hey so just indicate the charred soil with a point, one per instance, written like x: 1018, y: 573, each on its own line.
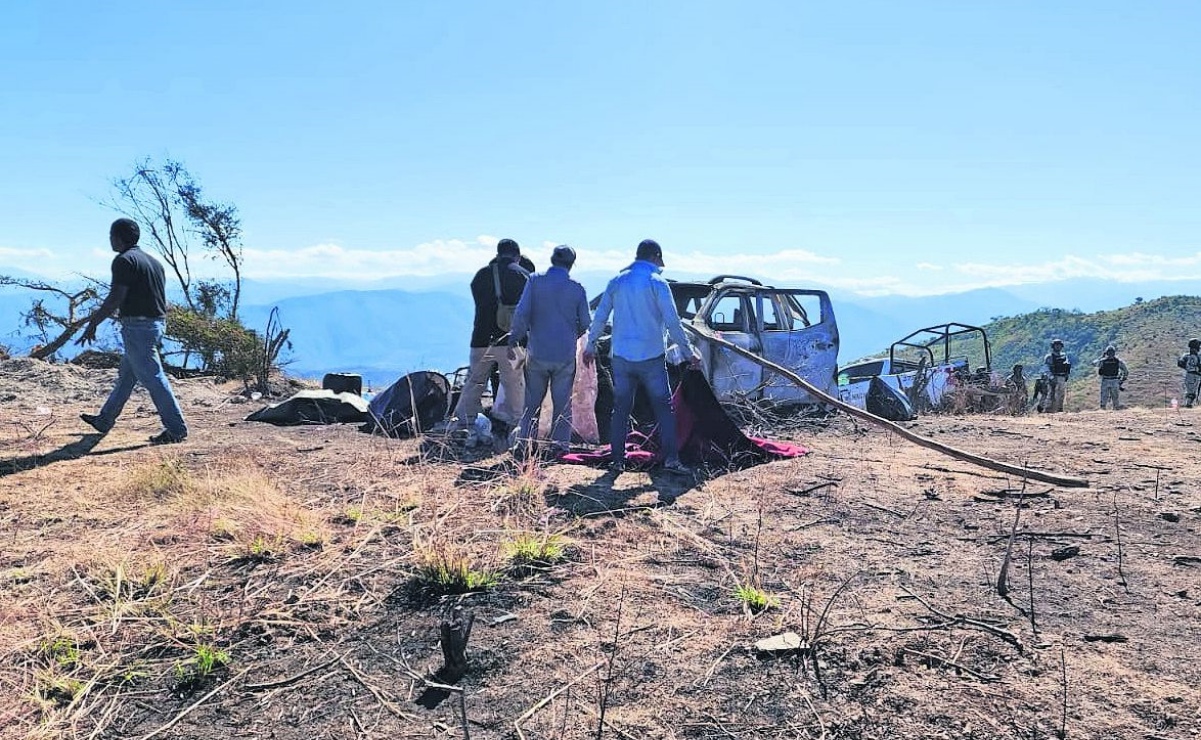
x: 272, y: 582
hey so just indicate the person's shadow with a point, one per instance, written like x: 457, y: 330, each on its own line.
x: 71, y: 451
x: 599, y: 495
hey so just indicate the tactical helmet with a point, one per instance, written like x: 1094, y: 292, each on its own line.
x: 1056, y: 341
x: 1194, y: 344
x: 1111, y: 350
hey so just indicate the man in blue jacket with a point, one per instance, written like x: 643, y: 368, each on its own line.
x: 553, y: 315
x: 643, y: 311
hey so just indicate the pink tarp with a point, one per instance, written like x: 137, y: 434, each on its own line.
x: 708, y: 437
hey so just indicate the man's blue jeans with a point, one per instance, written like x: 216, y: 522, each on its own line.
x: 559, y: 378
x: 652, y: 376
x: 140, y: 364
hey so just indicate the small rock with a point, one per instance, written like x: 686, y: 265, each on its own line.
x: 1063, y: 553
x: 238, y: 399
x: 1170, y: 516
x: 788, y: 642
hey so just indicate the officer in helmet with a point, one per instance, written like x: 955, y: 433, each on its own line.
x: 1057, y: 365
x: 1113, y: 373
x: 1190, y: 363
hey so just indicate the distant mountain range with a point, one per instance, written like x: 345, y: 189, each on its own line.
x: 405, y: 325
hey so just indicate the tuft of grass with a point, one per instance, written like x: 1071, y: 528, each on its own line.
x: 204, y: 661
x: 131, y: 581
x: 522, y: 494
x: 252, y: 517
x: 168, y: 478
x: 61, y: 650
x: 529, y: 551
x: 442, y: 571
x: 53, y: 690
x: 262, y: 548
x: 754, y: 599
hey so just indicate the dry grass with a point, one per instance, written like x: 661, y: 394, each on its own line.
x: 264, y: 577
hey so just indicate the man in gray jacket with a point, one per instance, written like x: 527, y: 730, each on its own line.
x: 553, y: 314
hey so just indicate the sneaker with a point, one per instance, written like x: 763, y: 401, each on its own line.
x: 675, y: 466
x: 166, y: 438
x: 95, y: 422
x: 617, y: 466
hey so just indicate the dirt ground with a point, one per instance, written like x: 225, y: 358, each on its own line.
x: 264, y: 582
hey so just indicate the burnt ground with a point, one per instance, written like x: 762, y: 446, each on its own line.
x: 268, y: 582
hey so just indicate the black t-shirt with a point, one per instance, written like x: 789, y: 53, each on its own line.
x: 143, y: 276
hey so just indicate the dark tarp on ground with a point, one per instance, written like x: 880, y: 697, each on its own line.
x: 411, y: 405
x: 708, y: 437
x: 313, y: 407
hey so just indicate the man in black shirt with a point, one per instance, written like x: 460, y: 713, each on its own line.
x: 496, y: 289
x: 139, y: 291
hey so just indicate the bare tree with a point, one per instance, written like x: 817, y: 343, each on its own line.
x: 170, y: 205
x: 51, y: 321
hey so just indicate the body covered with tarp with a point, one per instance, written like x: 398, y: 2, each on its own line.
x: 314, y: 407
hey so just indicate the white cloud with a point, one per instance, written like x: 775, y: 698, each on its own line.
x: 450, y: 256
x: 55, y: 264
x: 791, y: 266
x: 1123, y: 268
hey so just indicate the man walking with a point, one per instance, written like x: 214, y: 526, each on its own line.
x: 553, y: 314
x: 496, y: 289
x: 138, y: 290
x: 1059, y: 367
x: 1113, y: 373
x: 1190, y: 363
x: 643, y: 310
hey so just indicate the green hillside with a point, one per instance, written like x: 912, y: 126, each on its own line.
x: 1149, y: 337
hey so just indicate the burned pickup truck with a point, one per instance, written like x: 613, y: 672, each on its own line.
x: 792, y: 327
x: 943, y: 368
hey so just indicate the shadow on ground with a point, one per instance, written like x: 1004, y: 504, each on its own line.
x: 71, y: 451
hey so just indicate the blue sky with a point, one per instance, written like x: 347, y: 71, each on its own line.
x: 907, y: 147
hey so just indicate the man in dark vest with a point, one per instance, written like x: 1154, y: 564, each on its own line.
x: 1113, y: 373
x: 138, y: 290
x: 499, y: 283
x: 1059, y: 367
x: 1190, y: 363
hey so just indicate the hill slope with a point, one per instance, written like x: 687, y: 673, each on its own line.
x: 1149, y: 337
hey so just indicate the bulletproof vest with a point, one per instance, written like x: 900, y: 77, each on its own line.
x: 1060, y: 364
x: 1108, y: 367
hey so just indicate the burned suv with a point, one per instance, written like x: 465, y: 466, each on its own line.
x: 791, y: 327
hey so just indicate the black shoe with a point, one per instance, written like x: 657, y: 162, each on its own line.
x: 166, y: 438
x: 617, y: 466
x: 95, y: 422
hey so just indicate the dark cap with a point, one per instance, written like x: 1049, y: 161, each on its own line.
x: 126, y: 230
x: 1056, y: 341
x: 507, y: 246
x: 563, y: 256
x: 649, y: 249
